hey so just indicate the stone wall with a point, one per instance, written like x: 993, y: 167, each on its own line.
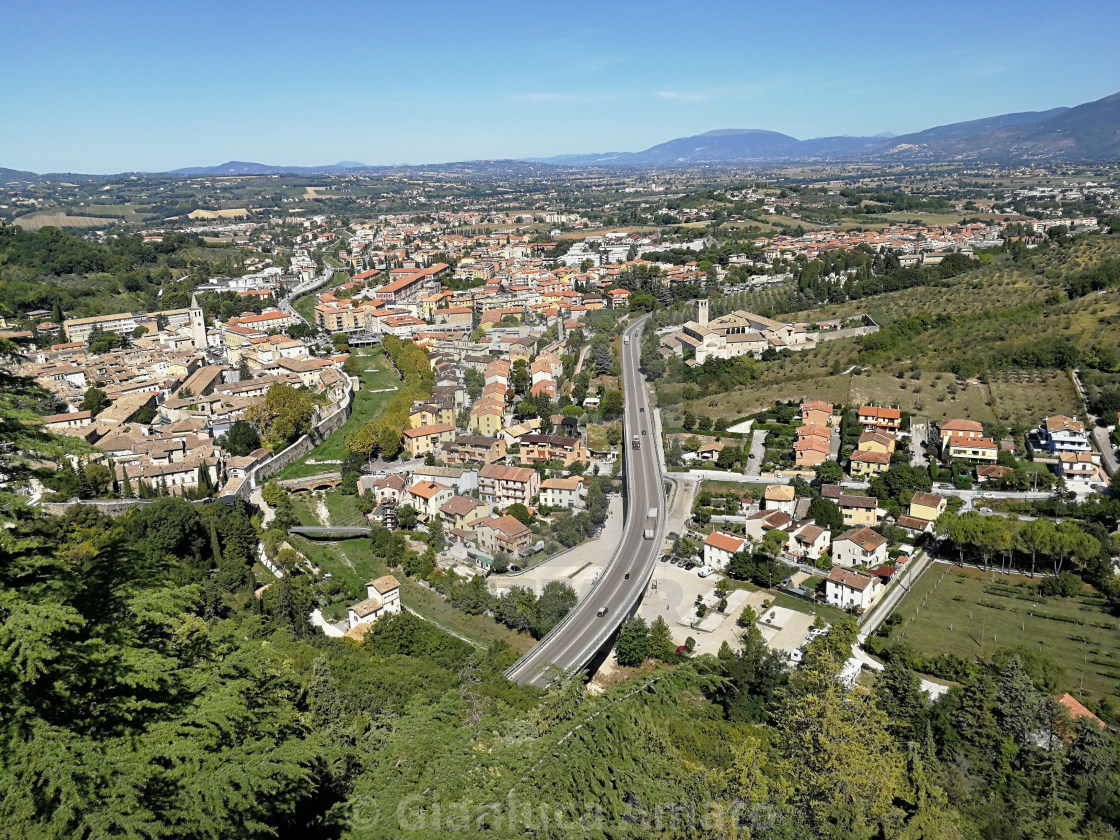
x: 284, y: 458
x: 112, y: 507
x: 868, y: 328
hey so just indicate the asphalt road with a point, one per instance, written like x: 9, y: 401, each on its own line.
x: 574, y: 642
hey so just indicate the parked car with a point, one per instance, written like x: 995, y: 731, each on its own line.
x: 705, y: 571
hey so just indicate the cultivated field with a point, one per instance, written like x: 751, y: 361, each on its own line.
x: 1021, y: 398
x: 237, y: 213
x: 35, y: 221
x: 973, y: 614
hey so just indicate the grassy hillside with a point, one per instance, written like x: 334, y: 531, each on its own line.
x: 1001, y: 353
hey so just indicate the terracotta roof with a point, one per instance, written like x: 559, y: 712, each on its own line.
x: 427, y: 489
x: 501, y: 473
x: 865, y: 538
x: 512, y: 527
x: 367, y: 607
x: 880, y: 413
x: 962, y: 426
x: 779, y: 492
x: 424, y: 431
x: 926, y: 499
x: 724, y: 542
x: 850, y: 579
x: 1076, y: 709
x: 1059, y: 422
x: 868, y: 502
x: 810, y: 533
x: 385, y: 583
x: 868, y: 457
x: 460, y: 505
x: 912, y: 523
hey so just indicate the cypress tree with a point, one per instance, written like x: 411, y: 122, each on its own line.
x: 126, y: 485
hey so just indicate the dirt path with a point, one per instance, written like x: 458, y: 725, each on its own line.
x: 322, y: 513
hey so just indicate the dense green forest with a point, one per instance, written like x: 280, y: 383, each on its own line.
x: 150, y: 694
x: 41, y: 268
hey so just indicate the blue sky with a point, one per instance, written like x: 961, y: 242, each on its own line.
x: 114, y: 86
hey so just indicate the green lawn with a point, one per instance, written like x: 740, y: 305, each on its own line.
x: 597, y: 435
x: 973, y: 614
x: 379, y: 373
x: 344, y: 509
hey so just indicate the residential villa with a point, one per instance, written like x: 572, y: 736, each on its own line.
x: 859, y: 547
x: 851, y: 590
x: 719, y: 548
x: 383, y: 597
x: 859, y: 510
x: 1062, y: 434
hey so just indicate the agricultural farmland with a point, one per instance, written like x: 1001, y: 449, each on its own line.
x: 973, y: 614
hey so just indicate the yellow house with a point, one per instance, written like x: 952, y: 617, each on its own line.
x: 427, y: 439
x: 486, y: 418
x: 859, y: 510
x: 429, y: 415
x: 868, y: 463
x: 927, y: 506
x: 871, y: 441
x: 463, y: 512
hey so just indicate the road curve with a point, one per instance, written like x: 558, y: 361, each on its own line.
x: 573, y: 643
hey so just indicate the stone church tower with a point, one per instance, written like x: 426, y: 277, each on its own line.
x: 198, y: 324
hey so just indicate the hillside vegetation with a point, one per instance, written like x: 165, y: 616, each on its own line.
x: 994, y: 343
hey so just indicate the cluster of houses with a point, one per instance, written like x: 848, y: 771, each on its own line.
x: 166, y: 406
x: 469, y: 502
x: 859, y: 558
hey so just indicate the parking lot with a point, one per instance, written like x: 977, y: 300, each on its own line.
x: 672, y: 596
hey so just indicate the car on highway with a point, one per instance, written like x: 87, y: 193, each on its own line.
x: 642, y: 409
x: 643, y: 431
x: 602, y: 611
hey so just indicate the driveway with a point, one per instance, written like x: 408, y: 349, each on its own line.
x: 1104, y: 444
x: 918, y: 457
x: 757, y: 453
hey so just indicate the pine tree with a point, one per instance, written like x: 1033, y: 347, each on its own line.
x: 661, y: 642
x: 85, y: 491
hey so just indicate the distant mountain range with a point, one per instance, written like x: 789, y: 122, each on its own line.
x: 1087, y: 132
x: 1084, y: 133
x: 242, y: 167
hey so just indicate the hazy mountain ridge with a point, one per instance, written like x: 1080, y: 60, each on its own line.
x: 1090, y: 131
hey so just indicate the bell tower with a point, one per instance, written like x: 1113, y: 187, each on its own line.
x: 198, y: 324
x: 702, y: 312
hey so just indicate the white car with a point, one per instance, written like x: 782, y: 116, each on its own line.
x: 705, y: 571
